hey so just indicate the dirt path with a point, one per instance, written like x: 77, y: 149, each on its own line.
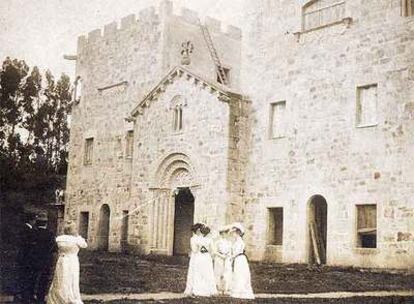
x: 327, y: 295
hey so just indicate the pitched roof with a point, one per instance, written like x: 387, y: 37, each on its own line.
x: 224, y: 93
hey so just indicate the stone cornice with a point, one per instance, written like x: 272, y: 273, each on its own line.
x: 223, y: 93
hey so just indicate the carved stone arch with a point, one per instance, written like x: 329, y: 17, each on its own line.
x: 177, y: 101
x: 174, y: 170
x: 172, y: 210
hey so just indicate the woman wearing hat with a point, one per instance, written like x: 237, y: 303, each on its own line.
x: 200, y: 276
x: 241, y: 286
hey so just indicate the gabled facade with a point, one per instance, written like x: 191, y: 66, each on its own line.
x: 188, y: 134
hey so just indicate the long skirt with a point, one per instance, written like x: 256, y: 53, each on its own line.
x: 65, y: 283
x: 200, y: 277
x: 241, y: 286
x: 222, y: 273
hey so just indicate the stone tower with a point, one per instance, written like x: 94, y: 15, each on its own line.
x: 156, y: 139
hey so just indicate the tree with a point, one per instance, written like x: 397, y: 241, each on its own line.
x: 34, y: 133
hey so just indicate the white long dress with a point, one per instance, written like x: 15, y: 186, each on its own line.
x: 65, y: 284
x: 200, y: 277
x: 222, y: 265
x: 241, y: 287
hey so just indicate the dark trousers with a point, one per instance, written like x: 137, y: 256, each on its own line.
x: 26, y: 284
x: 43, y: 281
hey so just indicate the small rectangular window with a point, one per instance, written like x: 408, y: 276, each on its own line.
x: 129, y: 144
x: 124, y: 230
x: 366, y: 109
x: 277, y: 119
x: 407, y: 8
x: 84, y: 224
x: 275, y: 228
x: 367, y: 226
x: 226, y: 75
x: 88, y: 151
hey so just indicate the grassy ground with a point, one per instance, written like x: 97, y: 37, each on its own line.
x: 107, y: 272
x: 395, y: 300
x: 120, y: 273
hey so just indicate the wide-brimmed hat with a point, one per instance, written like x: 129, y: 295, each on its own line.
x: 238, y: 226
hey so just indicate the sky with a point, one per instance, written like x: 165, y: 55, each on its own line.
x: 42, y: 31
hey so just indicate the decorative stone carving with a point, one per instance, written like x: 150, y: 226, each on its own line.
x: 186, y: 49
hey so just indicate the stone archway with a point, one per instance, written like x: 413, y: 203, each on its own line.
x: 183, y: 220
x: 103, y: 228
x: 318, y: 229
x: 172, y: 210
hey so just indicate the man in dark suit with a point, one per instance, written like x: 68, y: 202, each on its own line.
x: 25, y: 259
x: 44, y: 258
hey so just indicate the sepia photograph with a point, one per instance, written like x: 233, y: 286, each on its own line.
x: 207, y: 151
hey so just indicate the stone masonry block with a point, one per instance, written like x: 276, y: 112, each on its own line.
x: 94, y: 35
x: 213, y: 24
x: 110, y: 29
x: 234, y: 32
x: 190, y: 16
x: 166, y: 8
x: 128, y: 21
x: 147, y: 15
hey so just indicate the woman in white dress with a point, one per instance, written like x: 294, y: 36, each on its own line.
x: 200, y: 277
x: 222, y: 261
x: 65, y: 284
x: 241, y: 287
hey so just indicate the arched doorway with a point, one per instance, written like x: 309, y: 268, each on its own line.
x: 103, y: 229
x: 318, y: 229
x: 183, y: 220
x: 173, y: 205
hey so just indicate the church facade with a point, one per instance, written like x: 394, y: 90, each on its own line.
x: 304, y: 134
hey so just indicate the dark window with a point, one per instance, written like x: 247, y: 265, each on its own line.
x: 129, y: 144
x: 407, y: 8
x: 84, y: 224
x: 88, y: 151
x: 275, y: 229
x: 227, y: 75
x: 367, y: 226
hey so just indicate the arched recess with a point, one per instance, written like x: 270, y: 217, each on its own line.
x: 318, y: 229
x: 103, y: 228
x: 166, y: 172
x: 172, y: 210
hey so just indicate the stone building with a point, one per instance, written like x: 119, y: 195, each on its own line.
x: 305, y: 133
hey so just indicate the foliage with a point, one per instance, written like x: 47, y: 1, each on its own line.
x: 34, y: 133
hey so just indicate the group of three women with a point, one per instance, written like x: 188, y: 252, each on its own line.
x: 219, y: 267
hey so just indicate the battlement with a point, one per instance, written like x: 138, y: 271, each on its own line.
x: 130, y: 22
x: 214, y: 25
x: 151, y: 15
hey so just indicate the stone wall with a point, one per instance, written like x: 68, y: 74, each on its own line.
x: 323, y: 152
x: 201, y: 148
x: 118, y: 66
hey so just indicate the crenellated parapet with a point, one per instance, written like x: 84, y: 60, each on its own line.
x: 151, y: 16
x: 214, y: 25
x: 113, y: 29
